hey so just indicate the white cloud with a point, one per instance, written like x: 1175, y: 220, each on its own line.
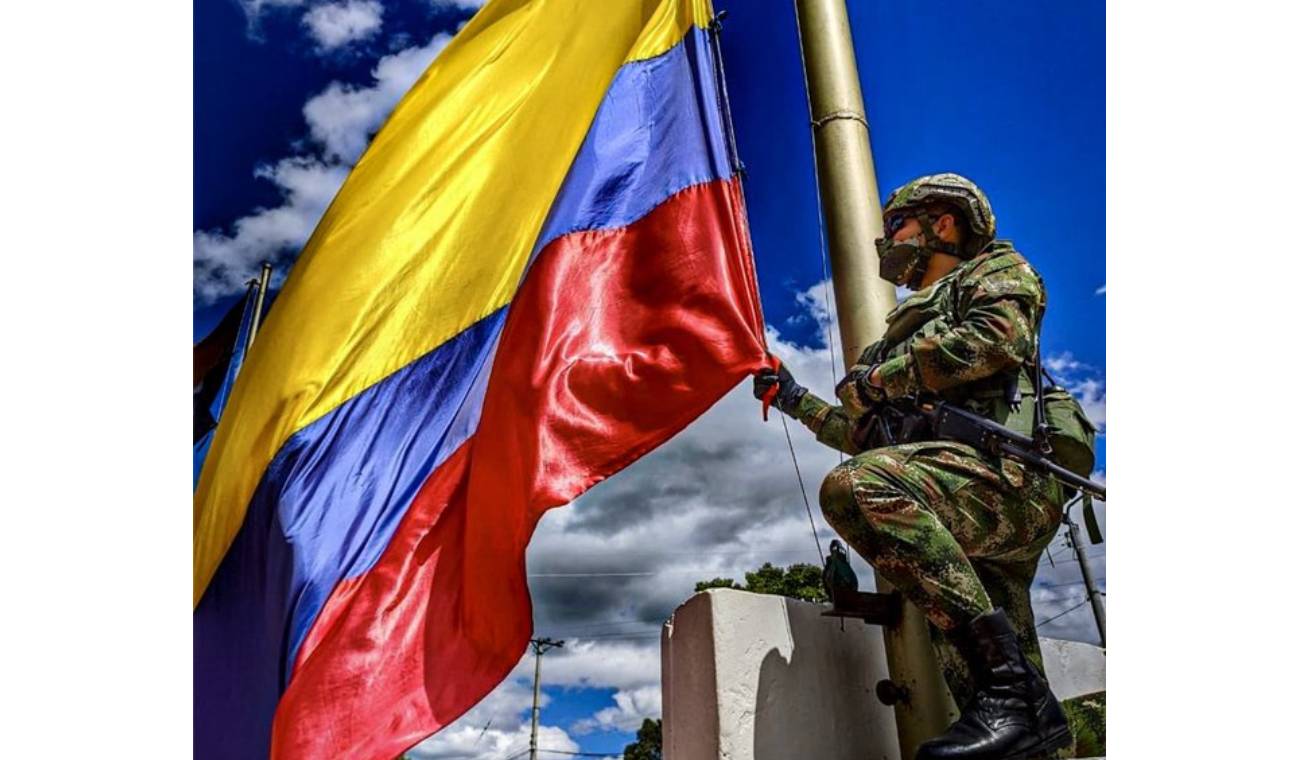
x: 630, y: 709
x: 223, y: 262
x: 496, y: 728
x: 335, y: 25
x: 344, y: 117
x: 468, y: 742
x: 341, y: 121
x: 1091, y: 394
x: 1059, y: 364
x: 1083, y: 381
x: 464, y: 4
x: 627, y: 665
x: 818, y: 304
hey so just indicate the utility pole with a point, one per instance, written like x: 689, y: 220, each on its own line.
x: 540, y: 647
x: 263, y: 282
x: 846, y: 177
x: 1094, y: 595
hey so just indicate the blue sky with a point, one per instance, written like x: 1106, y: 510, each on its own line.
x: 1010, y: 94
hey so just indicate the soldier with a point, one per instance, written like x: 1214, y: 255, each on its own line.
x: 956, y: 530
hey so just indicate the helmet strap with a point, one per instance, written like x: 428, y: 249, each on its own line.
x: 932, y: 245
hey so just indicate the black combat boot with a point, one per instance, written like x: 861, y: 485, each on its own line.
x: 1013, y: 714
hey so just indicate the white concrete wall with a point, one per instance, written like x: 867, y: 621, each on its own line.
x: 1073, y: 668
x: 759, y: 677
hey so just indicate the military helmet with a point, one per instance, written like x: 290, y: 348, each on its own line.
x: 957, y: 191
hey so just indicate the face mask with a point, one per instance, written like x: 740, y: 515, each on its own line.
x: 903, y: 263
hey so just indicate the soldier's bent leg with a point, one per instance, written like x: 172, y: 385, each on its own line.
x: 888, y: 514
x: 919, y: 512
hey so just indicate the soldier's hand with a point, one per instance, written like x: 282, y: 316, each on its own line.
x: 788, y: 391
x: 857, y: 389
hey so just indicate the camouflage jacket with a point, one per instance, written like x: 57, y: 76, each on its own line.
x: 957, y: 339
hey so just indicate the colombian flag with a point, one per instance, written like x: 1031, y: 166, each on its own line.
x: 538, y: 272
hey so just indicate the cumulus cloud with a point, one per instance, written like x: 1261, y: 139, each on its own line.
x: 335, y: 25
x: 468, y: 742
x: 224, y: 260
x: 341, y: 120
x: 496, y: 728
x: 630, y: 709
x: 344, y: 117
x: 1082, y: 380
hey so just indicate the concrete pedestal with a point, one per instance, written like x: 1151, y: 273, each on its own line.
x: 759, y: 677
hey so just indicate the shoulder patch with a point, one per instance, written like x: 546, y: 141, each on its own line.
x: 1003, y: 274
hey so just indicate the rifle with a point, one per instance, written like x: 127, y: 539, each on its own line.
x: 956, y: 424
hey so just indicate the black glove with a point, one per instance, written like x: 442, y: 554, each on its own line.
x: 788, y: 393
x: 863, y: 393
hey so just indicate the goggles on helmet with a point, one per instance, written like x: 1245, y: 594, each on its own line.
x: 895, y: 222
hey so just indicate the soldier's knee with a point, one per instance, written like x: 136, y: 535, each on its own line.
x: 874, y: 477
x: 836, y: 495
x: 850, y: 491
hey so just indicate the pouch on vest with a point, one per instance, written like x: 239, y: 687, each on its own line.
x: 1070, y: 431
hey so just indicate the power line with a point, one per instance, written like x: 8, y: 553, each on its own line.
x: 1063, y: 585
x: 1063, y: 614
x: 1068, y: 560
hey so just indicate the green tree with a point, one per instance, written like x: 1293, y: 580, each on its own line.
x: 649, y: 743
x: 798, y: 581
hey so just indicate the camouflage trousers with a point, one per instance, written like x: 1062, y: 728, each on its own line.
x: 956, y: 532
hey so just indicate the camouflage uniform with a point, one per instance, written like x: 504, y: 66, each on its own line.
x: 958, y: 532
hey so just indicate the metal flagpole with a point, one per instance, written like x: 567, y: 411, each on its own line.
x: 540, y: 647
x: 846, y: 179
x: 262, y: 282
